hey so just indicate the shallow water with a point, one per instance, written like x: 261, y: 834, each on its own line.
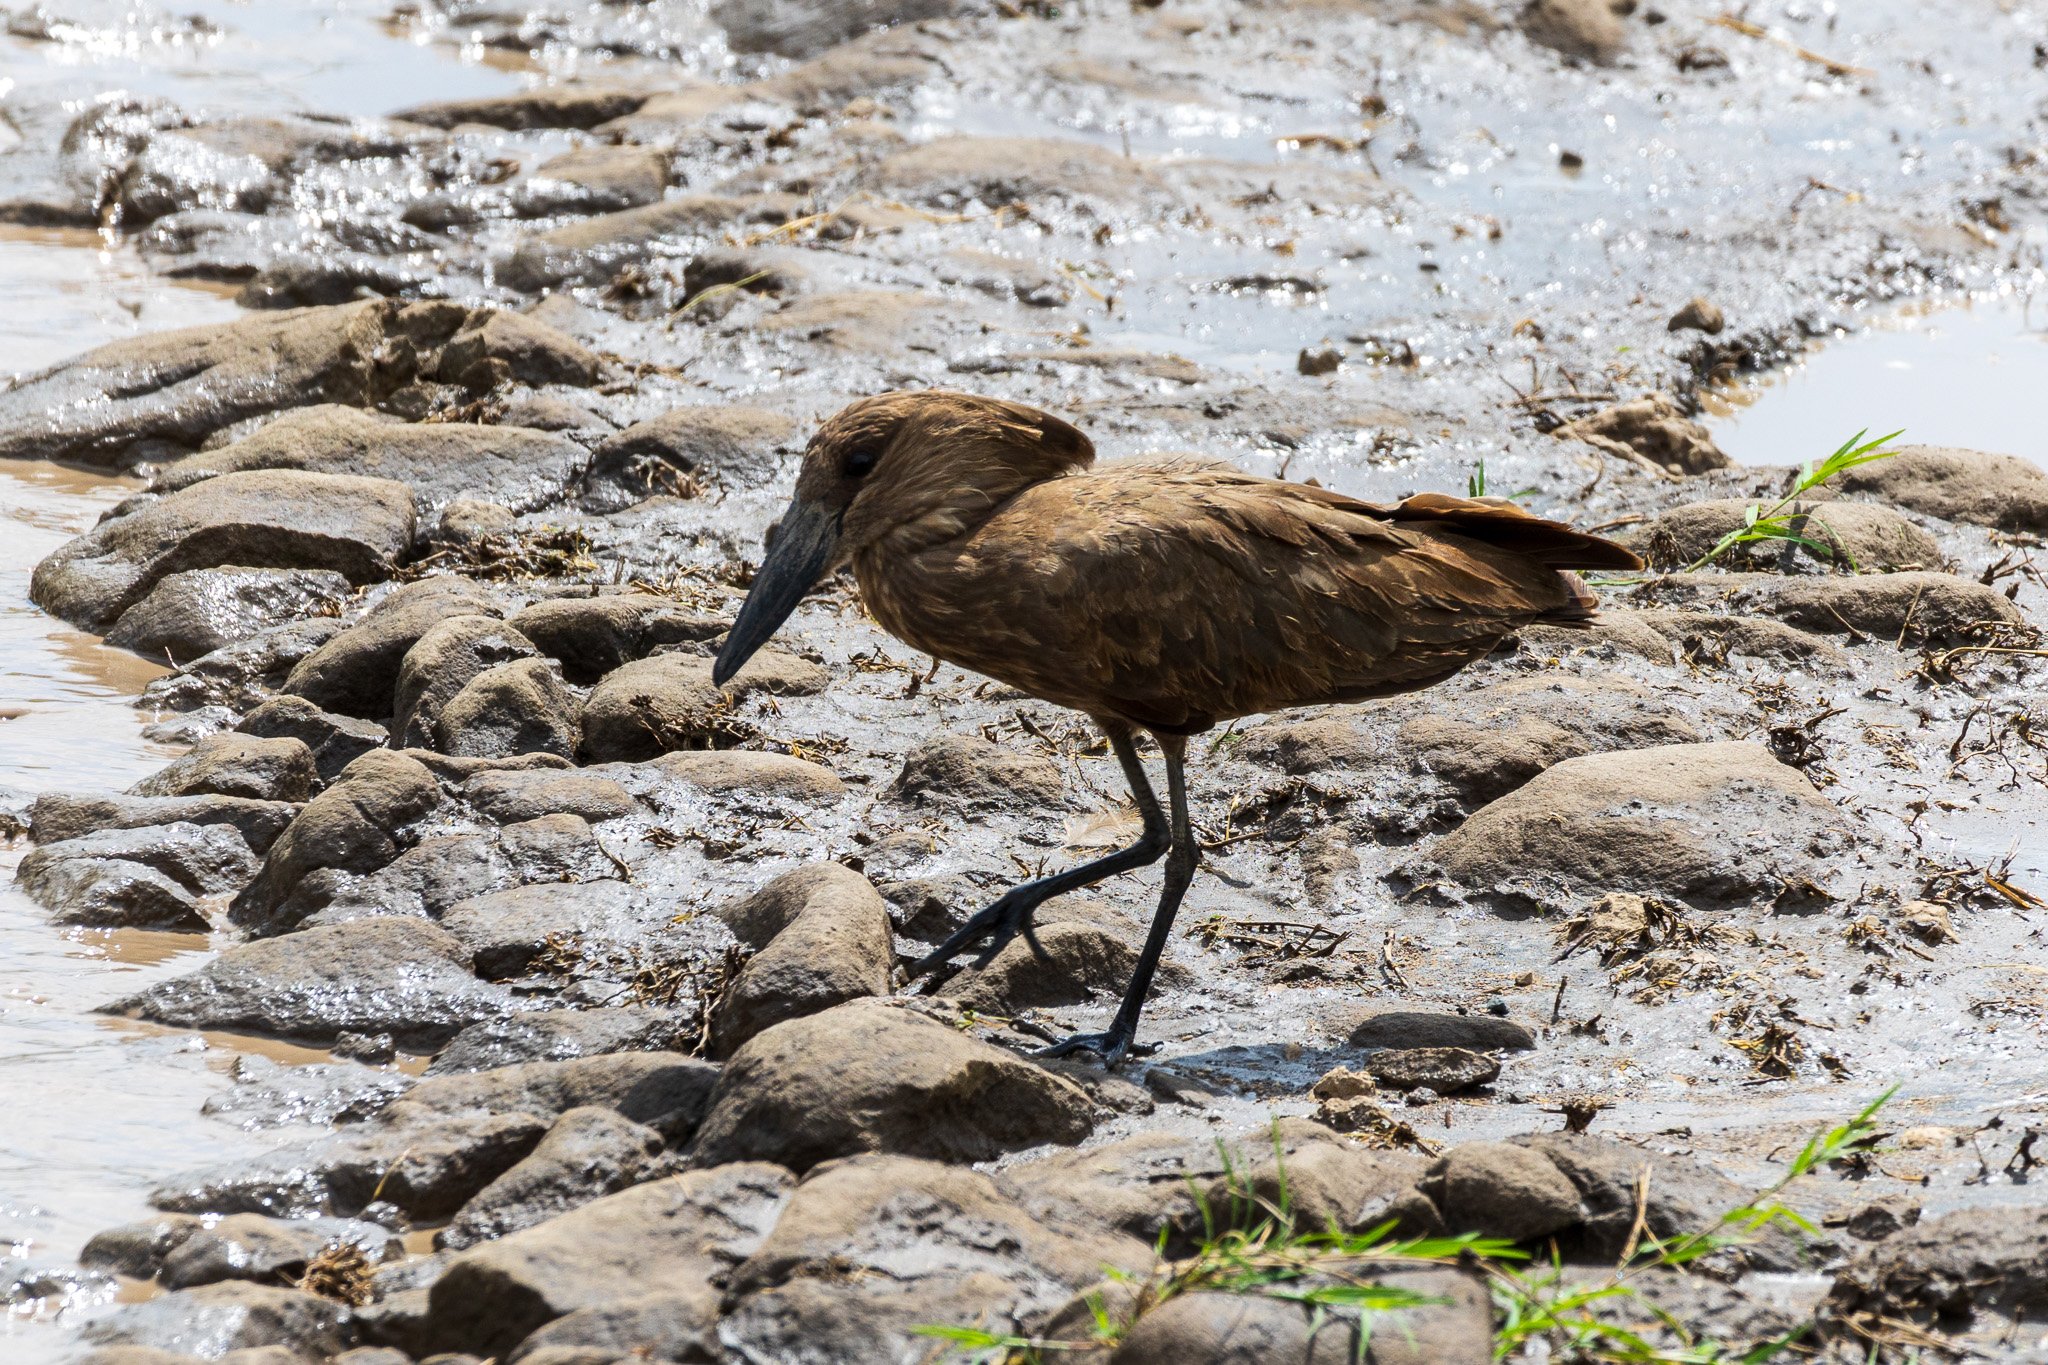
x: 1974, y: 376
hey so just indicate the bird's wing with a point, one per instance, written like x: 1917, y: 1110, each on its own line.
x: 1176, y: 597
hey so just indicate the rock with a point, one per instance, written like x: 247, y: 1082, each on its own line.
x: 269, y: 1094
x: 1698, y: 315
x: 356, y: 671
x: 199, y: 860
x: 241, y: 676
x: 248, y: 1246
x: 398, y: 976
x: 871, y: 1247
x: 727, y: 771
x: 593, y: 250
x: 1878, y: 1219
x: 1497, y: 1189
x: 2004, y: 492
x: 191, y: 614
x: 1704, y: 637
x: 665, y: 1091
x: 334, y: 740
x: 1910, y: 607
x: 55, y: 816
x: 514, y: 708
x: 361, y: 529
x: 1684, y: 1197
x: 1445, y: 1070
x: 1501, y: 736
x: 1414, y: 1029
x: 1586, y: 29
x: 804, y: 28
x: 573, y: 104
x: 594, y: 179
x: 871, y: 1077
x: 436, y: 874
x: 468, y: 522
x: 591, y: 636
x: 558, y: 1035
x: 727, y: 445
x: 509, y: 797
x: 676, y: 1323
x: 439, y: 461
x: 756, y: 919
x: 1080, y: 954
x: 96, y: 892
x: 978, y: 774
x: 1651, y: 430
x: 440, y: 664
x: 427, y: 1170
x: 1865, y: 537
x: 682, y: 1231
x: 667, y: 701
x: 1217, y: 1328
x: 1711, y: 824
x: 138, y: 1249
x: 589, y: 1153
x: 217, y: 1318
x: 1315, y: 745
x: 508, y: 929
x: 238, y: 765
x: 956, y: 171
x: 836, y: 947
x: 353, y: 826
x: 1946, y: 1269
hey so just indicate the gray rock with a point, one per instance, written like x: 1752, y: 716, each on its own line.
x: 593, y: 179
x: 1236, y: 1329
x: 269, y: 1094
x: 217, y: 1318
x: 1081, y: 952
x: 871, y: 1077
x: 440, y: 664
x: 666, y: 1091
x: 676, y: 1323
x: 467, y: 523
x: 203, y: 860
x: 955, y: 171
x: 836, y: 947
x: 356, y: 672
x: 592, y: 250
x: 728, y: 445
x: 439, y: 461
x: 191, y: 614
x: 138, y: 1249
x: 1864, y: 537
x: 55, y: 816
x: 683, y: 1231
x: 804, y: 28
x: 978, y: 774
x: 1498, y: 1189
x: 1710, y: 824
x: 399, y: 976
x: 1587, y: 29
x: 591, y: 636
x: 2004, y: 492
x: 242, y: 675
x: 1945, y: 1269
x: 667, y: 702
x: 1445, y: 1070
x: 428, y: 1170
x: 872, y: 1247
x: 727, y: 772
x: 558, y: 1035
x: 353, y: 826
x: 508, y: 797
x: 515, y: 708
x: 1652, y: 430
x: 573, y: 104
x: 248, y: 1246
x: 335, y: 740
x: 508, y: 929
x: 1911, y: 608
x: 97, y: 892
x: 1415, y: 1029
x: 281, y: 519
x: 589, y: 1153
x: 238, y: 765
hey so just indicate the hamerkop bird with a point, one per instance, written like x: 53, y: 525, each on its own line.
x: 1163, y: 596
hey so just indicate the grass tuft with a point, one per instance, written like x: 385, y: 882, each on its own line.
x: 1782, y: 520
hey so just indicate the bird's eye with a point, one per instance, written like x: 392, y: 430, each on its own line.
x: 863, y: 459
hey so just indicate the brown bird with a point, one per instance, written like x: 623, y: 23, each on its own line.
x: 1162, y: 596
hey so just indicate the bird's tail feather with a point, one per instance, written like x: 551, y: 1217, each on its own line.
x: 1497, y: 522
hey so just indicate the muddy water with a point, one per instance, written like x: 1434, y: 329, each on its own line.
x: 1974, y: 376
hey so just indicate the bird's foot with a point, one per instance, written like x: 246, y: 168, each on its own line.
x: 1001, y: 922
x: 1112, y: 1046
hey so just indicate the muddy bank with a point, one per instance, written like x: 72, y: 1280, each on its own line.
x: 440, y: 532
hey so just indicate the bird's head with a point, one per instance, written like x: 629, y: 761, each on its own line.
x: 897, y: 473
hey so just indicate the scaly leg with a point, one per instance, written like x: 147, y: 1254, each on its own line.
x: 1011, y: 914
x: 1112, y: 1044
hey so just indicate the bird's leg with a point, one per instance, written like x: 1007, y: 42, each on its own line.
x: 1112, y: 1044
x: 1011, y: 914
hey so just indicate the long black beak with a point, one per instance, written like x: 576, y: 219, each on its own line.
x: 805, y: 544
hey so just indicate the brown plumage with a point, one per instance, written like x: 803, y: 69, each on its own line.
x: 1160, y: 595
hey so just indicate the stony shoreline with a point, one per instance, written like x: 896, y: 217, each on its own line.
x: 439, y: 537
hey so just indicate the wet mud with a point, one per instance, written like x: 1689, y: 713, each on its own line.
x: 476, y: 976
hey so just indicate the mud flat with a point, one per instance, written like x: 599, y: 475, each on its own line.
x: 582, y: 969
